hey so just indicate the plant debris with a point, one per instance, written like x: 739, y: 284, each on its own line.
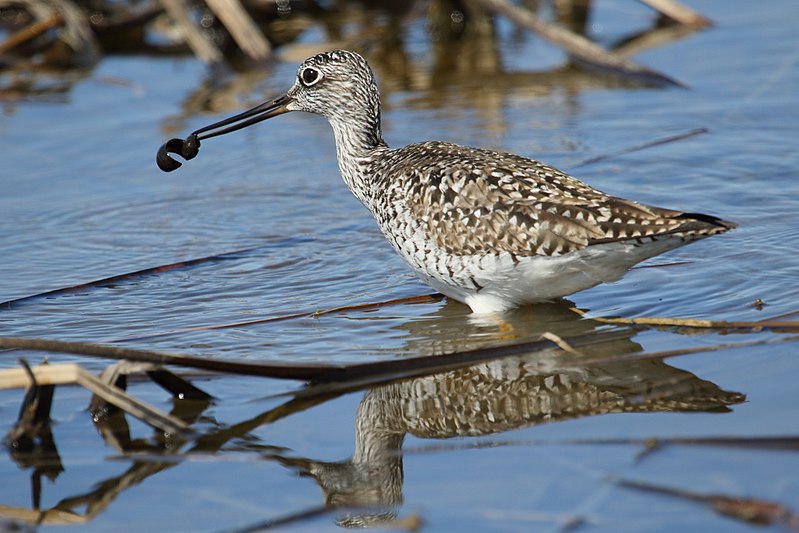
x: 750, y: 510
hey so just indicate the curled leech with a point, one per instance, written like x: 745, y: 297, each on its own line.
x: 186, y: 148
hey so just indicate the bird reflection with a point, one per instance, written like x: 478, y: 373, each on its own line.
x: 495, y: 397
x: 598, y: 373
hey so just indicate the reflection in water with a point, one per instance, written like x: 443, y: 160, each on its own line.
x: 449, y: 74
x: 495, y: 397
x: 442, y: 330
x: 462, y: 61
x: 488, y: 399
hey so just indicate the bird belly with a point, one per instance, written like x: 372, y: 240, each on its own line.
x: 500, y: 281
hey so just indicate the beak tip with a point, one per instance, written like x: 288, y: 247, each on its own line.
x: 190, y: 147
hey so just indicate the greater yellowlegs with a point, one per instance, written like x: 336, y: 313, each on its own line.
x: 491, y: 229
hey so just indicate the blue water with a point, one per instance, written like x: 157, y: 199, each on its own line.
x: 83, y: 200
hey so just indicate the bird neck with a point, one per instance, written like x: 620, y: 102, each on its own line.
x: 358, y: 140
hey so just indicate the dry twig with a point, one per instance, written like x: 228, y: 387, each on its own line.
x: 70, y: 373
x: 30, y: 32
x: 202, y: 46
x: 679, y: 13
x: 576, y: 45
x: 242, y: 28
x: 639, y: 147
x: 757, y: 325
x: 122, y: 277
x: 751, y: 510
x: 427, y: 298
x: 388, y: 369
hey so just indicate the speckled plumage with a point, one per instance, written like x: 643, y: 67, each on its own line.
x: 491, y: 229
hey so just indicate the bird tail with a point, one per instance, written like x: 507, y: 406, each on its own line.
x: 701, y: 224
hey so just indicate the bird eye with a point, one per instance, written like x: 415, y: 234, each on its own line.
x: 309, y: 76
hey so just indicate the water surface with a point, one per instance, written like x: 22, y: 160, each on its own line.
x: 491, y: 447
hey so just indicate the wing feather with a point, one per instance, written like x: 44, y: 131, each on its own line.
x: 475, y: 201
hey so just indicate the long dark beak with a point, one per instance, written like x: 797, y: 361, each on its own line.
x: 189, y: 147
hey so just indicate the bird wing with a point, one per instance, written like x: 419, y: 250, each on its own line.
x: 476, y: 201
